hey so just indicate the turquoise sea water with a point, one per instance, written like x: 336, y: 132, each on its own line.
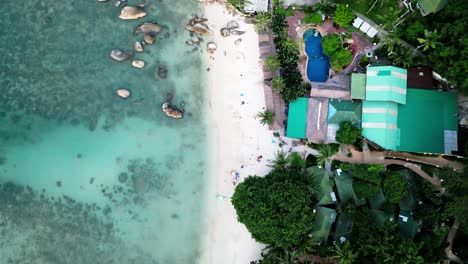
x: 86, y: 177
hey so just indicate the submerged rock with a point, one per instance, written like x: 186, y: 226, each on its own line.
x: 151, y: 28
x: 138, y: 64
x: 120, y: 55
x: 123, y: 177
x: 123, y: 93
x: 161, y: 72
x: 171, y: 111
x: 131, y: 12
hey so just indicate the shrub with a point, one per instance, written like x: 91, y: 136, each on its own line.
x: 267, y: 117
x: 395, y: 187
x: 272, y: 63
x: 340, y: 59
x: 277, y: 84
x: 313, y: 19
x: 330, y: 44
x: 343, y: 16
x: 348, y: 133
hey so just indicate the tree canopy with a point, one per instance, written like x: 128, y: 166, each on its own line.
x: 314, y: 18
x: 343, y: 15
x: 395, y: 187
x: 330, y: 44
x: 366, y: 179
x: 276, y: 209
x: 348, y: 133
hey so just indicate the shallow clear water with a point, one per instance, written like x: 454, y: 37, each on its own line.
x: 317, y: 62
x: 86, y: 177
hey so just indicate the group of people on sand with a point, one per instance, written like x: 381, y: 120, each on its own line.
x: 235, y: 175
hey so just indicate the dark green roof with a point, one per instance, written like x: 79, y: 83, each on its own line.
x: 410, y: 227
x: 324, y: 184
x: 340, y: 111
x: 344, y: 186
x: 423, y: 120
x: 323, y: 220
x: 344, y: 226
x: 431, y: 6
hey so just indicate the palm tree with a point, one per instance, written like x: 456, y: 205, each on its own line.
x: 267, y: 117
x: 429, y: 40
x: 281, y: 160
x: 390, y: 41
x: 326, y: 151
x: 262, y: 21
x: 277, y: 84
x: 272, y: 63
x: 402, y: 57
x: 344, y: 254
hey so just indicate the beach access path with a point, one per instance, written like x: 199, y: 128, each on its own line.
x: 235, y: 80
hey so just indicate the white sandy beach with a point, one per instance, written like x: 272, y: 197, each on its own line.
x: 234, y: 76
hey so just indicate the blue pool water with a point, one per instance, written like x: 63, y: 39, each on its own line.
x: 318, y: 63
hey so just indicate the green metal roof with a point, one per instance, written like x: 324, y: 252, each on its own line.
x: 424, y: 120
x: 340, y: 111
x: 344, y: 226
x: 323, y: 193
x: 358, y: 86
x: 297, y: 119
x: 378, y: 201
x: 410, y: 227
x: 386, y: 83
x: 431, y: 6
x: 344, y: 187
x: 379, y: 123
x: 381, y: 217
x: 323, y: 221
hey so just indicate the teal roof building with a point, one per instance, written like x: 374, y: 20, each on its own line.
x: 399, y: 118
x: 386, y: 83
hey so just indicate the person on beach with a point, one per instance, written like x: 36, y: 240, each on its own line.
x: 259, y: 158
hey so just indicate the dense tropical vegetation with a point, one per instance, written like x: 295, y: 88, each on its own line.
x: 347, y: 133
x: 288, y: 56
x: 333, y: 47
x: 343, y: 16
x: 272, y: 63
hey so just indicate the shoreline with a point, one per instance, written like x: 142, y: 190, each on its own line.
x: 235, y: 93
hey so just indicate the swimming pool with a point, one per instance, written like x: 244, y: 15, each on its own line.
x: 318, y: 63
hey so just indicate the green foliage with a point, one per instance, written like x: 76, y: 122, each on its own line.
x: 238, y: 4
x: 364, y: 61
x: 456, y: 185
x: 340, y: 59
x: 344, y: 253
x: 402, y: 57
x: 382, y: 245
x: 311, y: 161
x: 430, y: 40
x: 288, y: 56
x: 277, y: 84
x: 266, y: 117
x: 390, y: 41
x: 366, y: 179
x: 297, y: 161
x: 326, y: 151
x: 343, y: 15
x: 276, y: 209
x: 272, y: 63
x: 281, y: 160
x: 313, y: 19
x: 348, y: 133
x: 262, y: 21
x: 395, y: 187
x: 330, y: 44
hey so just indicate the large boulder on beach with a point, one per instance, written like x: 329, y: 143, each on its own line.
x: 150, y: 28
x: 171, y: 111
x: 200, y: 28
x: 120, y: 55
x: 131, y: 12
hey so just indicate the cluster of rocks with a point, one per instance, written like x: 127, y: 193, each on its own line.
x: 172, y: 111
x: 198, y: 25
x: 232, y: 29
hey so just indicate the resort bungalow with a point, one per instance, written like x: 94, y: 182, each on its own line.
x: 252, y: 6
x: 427, y: 7
x: 406, y: 119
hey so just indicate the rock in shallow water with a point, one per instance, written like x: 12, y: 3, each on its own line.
x: 149, y: 39
x: 123, y: 93
x: 171, y: 111
x: 138, y: 64
x: 120, y: 55
x: 138, y: 47
x: 151, y: 28
x: 131, y: 12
